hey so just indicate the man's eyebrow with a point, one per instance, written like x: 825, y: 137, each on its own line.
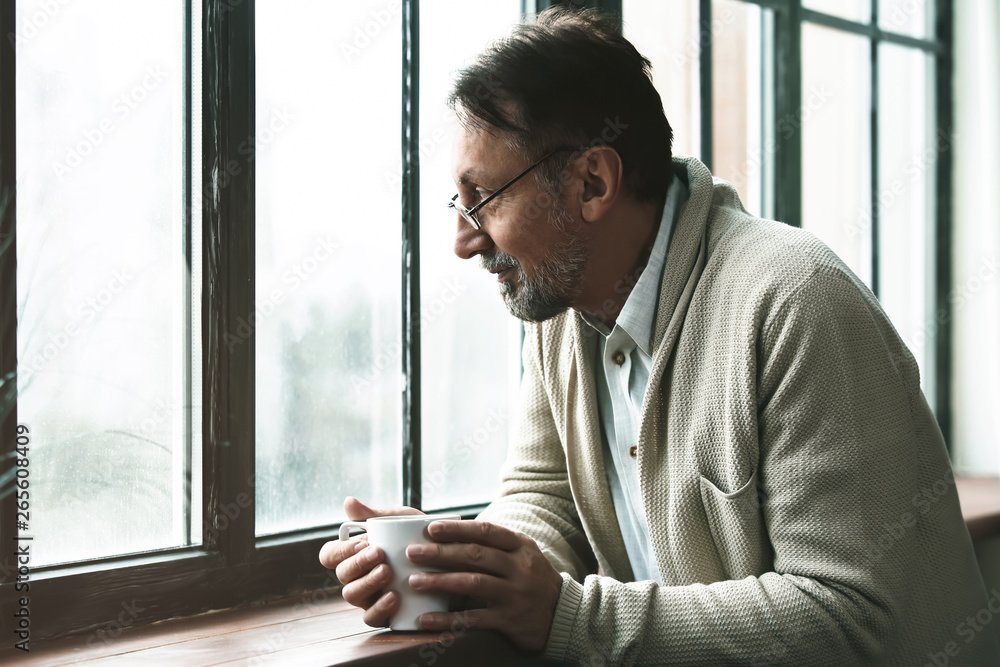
x: 470, y: 176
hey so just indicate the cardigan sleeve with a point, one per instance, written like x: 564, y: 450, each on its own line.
x: 535, y: 496
x: 837, y: 464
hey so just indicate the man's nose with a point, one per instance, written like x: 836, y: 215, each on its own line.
x: 470, y: 241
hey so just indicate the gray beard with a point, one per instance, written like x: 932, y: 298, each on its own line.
x: 557, y: 283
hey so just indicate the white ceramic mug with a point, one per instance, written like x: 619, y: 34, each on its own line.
x: 393, y: 534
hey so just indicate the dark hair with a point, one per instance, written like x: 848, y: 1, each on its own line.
x: 565, y: 80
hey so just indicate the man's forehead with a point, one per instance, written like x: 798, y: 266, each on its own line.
x: 477, y: 154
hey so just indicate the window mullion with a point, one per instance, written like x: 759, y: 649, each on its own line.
x: 941, y: 355
x: 874, y: 175
x: 228, y: 279
x: 705, y: 79
x: 411, y: 255
x: 8, y: 296
x: 788, y: 102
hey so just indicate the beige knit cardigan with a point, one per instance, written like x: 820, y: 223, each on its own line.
x: 800, y: 501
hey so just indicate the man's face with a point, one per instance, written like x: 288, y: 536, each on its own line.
x: 528, y: 238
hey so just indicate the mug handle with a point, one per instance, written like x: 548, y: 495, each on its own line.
x: 345, y: 529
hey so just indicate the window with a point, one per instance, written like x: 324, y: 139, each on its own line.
x: 848, y: 147
x: 227, y: 321
x: 236, y: 301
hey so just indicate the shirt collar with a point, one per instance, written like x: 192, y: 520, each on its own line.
x: 638, y: 316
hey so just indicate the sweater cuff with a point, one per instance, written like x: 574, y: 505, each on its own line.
x: 570, y: 597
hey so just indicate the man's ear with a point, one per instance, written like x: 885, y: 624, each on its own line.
x: 600, y: 171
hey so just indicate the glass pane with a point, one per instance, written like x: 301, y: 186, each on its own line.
x: 736, y: 100
x: 470, y: 343
x: 327, y: 320
x: 836, y: 143
x: 667, y: 34
x: 102, y: 277
x: 910, y: 17
x: 854, y: 10
x: 908, y: 154
x: 974, y: 298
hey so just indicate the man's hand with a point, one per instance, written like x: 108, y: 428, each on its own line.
x: 361, y: 568
x: 504, y: 569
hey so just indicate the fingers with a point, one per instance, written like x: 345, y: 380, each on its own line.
x: 335, y: 552
x: 479, y: 532
x: 360, y: 564
x: 476, y: 584
x: 379, y: 613
x: 358, y: 511
x: 461, y: 556
x: 362, y: 590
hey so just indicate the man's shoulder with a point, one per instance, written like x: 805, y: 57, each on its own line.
x: 752, y: 251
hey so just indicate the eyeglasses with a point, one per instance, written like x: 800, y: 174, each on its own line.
x: 470, y: 213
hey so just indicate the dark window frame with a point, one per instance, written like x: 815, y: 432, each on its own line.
x: 233, y: 566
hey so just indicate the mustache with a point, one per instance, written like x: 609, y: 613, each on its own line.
x: 498, y: 259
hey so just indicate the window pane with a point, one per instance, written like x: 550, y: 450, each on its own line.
x: 910, y: 17
x: 974, y: 298
x: 836, y: 143
x: 102, y: 276
x: 907, y: 165
x: 327, y: 319
x: 667, y: 34
x: 736, y: 99
x: 855, y: 10
x: 470, y: 343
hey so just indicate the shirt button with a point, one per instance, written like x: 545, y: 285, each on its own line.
x: 618, y: 357
x: 632, y: 450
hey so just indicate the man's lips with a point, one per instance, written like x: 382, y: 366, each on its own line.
x: 503, y: 273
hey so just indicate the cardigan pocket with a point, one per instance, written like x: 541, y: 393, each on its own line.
x: 737, y: 528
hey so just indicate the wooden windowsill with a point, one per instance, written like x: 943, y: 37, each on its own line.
x: 980, y: 499
x: 294, y: 631
x: 298, y: 631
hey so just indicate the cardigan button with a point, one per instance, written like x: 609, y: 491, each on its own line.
x: 618, y: 357
x: 632, y: 450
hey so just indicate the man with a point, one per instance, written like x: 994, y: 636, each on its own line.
x: 723, y: 454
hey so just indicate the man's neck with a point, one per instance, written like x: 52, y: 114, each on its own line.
x: 620, y: 253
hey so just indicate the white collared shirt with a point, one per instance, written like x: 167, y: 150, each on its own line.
x: 624, y: 357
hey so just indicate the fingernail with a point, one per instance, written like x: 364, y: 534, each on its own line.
x: 359, y: 547
x: 371, y: 555
x: 418, y: 580
x: 416, y: 550
x: 435, y: 528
